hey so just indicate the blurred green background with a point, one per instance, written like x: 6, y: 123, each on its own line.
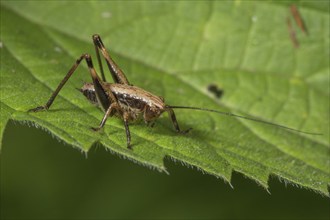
x: 42, y: 179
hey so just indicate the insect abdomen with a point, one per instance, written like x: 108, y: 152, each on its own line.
x: 136, y: 97
x: 130, y: 101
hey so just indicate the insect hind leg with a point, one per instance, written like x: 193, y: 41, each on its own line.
x: 117, y: 74
x: 50, y: 101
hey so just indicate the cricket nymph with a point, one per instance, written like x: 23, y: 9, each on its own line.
x: 120, y: 98
x: 134, y: 101
x: 124, y: 100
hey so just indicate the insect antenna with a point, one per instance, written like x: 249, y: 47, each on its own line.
x: 243, y: 117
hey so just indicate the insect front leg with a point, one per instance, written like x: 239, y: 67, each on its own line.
x: 117, y: 74
x: 65, y: 79
x: 175, y: 122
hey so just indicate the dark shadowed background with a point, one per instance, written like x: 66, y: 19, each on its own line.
x: 41, y: 179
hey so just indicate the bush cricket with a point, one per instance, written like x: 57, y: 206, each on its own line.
x: 123, y: 100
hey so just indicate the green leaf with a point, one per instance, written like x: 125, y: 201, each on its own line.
x: 176, y: 50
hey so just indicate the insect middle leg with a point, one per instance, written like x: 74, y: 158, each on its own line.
x: 114, y: 106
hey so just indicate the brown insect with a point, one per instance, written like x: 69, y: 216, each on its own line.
x: 292, y: 33
x: 122, y: 99
x: 297, y: 17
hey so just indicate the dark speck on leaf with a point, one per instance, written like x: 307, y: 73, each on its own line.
x: 214, y: 89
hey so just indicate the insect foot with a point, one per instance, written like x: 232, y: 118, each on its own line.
x: 150, y: 124
x: 185, y: 131
x: 96, y: 129
x: 37, y: 109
